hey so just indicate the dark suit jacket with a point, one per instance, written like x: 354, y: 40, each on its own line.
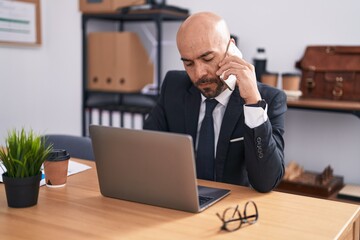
x: 256, y: 161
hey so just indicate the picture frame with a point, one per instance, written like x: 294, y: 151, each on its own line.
x: 20, y: 22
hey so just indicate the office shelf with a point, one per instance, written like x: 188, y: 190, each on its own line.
x: 133, y: 103
x: 349, y: 107
x: 326, y: 105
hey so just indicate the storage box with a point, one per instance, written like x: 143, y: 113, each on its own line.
x: 106, y: 6
x: 118, y: 62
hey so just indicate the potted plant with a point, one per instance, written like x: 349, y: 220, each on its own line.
x: 23, y: 157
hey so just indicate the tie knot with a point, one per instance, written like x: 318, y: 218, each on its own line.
x: 210, y: 105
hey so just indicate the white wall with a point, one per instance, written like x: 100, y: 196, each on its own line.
x: 41, y: 87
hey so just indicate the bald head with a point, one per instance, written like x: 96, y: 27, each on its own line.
x: 202, y: 40
x: 200, y: 29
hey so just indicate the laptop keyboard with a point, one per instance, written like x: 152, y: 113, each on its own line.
x: 204, y: 199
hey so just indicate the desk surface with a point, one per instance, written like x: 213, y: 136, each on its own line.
x: 78, y: 211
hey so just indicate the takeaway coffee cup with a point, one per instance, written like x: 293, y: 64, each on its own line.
x: 291, y: 81
x: 270, y: 79
x: 56, y: 168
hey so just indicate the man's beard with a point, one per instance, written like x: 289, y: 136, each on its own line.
x: 207, y: 91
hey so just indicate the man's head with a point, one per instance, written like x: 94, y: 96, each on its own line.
x: 202, y: 41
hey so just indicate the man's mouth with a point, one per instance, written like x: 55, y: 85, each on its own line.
x: 205, y: 82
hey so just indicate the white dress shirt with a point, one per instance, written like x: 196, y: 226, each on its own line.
x: 254, y: 116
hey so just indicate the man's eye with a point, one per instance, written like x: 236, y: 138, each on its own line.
x: 188, y: 64
x: 208, y: 59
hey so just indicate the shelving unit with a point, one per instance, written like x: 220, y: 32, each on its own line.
x: 326, y: 105
x: 134, y: 103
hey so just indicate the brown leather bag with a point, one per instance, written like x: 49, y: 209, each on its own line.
x: 331, y: 72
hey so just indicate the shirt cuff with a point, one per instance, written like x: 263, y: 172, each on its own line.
x: 255, y: 116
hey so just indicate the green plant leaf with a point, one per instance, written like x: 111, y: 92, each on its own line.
x: 24, y: 153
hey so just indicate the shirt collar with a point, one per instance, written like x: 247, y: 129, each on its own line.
x: 222, y: 98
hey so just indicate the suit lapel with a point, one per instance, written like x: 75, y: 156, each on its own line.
x: 192, y: 108
x: 233, y: 112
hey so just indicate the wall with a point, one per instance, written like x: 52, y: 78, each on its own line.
x: 40, y: 87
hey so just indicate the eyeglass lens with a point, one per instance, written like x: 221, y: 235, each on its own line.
x: 250, y: 212
x: 233, y: 219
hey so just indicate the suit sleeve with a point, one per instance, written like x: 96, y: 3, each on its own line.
x: 264, y: 147
x: 157, y: 118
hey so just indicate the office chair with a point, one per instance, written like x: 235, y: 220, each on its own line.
x: 76, y: 146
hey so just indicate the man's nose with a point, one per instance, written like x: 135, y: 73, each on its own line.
x: 200, y: 71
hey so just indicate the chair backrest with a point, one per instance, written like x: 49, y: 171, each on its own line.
x: 76, y: 146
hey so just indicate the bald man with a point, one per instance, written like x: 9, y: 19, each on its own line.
x: 248, y: 117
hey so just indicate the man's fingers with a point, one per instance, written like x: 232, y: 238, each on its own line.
x: 233, y: 66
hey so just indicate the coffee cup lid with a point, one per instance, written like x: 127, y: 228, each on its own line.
x: 271, y: 73
x: 291, y: 74
x: 58, y: 155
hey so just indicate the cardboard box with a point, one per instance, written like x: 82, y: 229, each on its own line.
x: 106, y: 6
x: 118, y: 62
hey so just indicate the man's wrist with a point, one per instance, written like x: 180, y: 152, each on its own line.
x: 260, y: 103
x: 253, y: 99
x: 255, y: 114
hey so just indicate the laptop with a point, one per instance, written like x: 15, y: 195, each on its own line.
x: 150, y: 167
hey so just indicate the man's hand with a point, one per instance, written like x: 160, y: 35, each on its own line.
x: 233, y: 64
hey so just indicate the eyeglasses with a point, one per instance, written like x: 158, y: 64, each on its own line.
x: 232, y: 218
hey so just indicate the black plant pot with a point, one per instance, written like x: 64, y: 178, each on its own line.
x: 22, y: 192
